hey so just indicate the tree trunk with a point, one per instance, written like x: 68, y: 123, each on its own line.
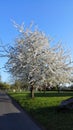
x: 32, y: 92
x: 44, y: 89
x: 58, y: 89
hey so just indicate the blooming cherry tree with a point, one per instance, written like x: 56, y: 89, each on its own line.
x: 32, y: 59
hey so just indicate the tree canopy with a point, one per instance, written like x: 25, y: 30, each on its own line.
x: 31, y: 58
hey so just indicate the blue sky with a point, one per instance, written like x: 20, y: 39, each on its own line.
x: 54, y: 17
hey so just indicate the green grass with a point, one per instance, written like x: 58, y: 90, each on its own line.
x: 43, y: 108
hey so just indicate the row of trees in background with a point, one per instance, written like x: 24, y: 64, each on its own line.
x: 19, y: 86
x: 4, y: 86
x: 31, y: 59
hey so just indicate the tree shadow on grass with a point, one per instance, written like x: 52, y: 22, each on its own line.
x: 54, y: 120
x: 45, y: 116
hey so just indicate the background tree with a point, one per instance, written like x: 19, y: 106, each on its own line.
x: 4, y: 86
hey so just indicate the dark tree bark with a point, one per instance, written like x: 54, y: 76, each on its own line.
x: 58, y: 88
x: 32, y: 91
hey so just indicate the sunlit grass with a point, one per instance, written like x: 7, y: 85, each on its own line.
x: 43, y: 108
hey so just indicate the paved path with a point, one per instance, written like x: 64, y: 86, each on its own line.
x: 12, y: 117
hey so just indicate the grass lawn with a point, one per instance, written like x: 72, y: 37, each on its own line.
x: 43, y: 108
